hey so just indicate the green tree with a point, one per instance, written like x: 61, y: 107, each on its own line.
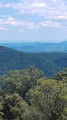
x: 61, y: 76
x: 1, y: 113
x: 13, y: 107
x: 50, y: 98
x: 20, y: 81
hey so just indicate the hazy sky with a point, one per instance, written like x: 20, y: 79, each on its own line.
x: 33, y: 20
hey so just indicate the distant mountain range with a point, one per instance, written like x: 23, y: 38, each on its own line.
x: 38, y: 47
x: 49, y: 63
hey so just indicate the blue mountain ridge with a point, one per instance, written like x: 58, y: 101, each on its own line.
x: 38, y: 47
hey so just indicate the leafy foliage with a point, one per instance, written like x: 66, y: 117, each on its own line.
x: 13, y: 107
x: 50, y: 98
x: 20, y: 81
x: 28, y: 95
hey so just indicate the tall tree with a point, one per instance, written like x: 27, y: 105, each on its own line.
x: 50, y: 98
x: 14, y: 107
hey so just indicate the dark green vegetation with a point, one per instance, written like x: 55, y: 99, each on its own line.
x: 28, y: 95
x: 38, y: 47
x: 49, y: 63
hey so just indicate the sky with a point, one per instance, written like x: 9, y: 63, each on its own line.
x: 33, y: 20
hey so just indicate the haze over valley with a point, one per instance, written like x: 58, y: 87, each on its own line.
x: 29, y: 47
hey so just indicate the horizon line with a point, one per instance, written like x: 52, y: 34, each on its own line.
x: 31, y: 42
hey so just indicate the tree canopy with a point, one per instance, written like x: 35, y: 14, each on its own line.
x: 28, y: 95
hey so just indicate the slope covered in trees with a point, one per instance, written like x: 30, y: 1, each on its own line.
x: 49, y: 63
x: 28, y: 95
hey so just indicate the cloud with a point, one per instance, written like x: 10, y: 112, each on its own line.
x: 21, y: 30
x: 5, y: 5
x: 12, y: 22
x: 2, y: 28
x: 20, y: 25
x: 53, y: 12
x: 52, y: 24
x: 50, y: 9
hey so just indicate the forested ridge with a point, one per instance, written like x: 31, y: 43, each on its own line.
x: 49, y: 63
x: 28, y: 95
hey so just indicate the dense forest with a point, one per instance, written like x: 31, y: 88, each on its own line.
x: 49, y: 63
x: 28, y: 95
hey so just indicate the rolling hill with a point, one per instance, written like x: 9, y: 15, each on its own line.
x: 38, y: 47
x: 49, y: 63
